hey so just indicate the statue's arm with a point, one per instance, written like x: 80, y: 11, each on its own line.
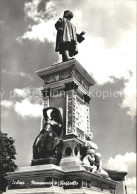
x: 90, y: 159
x: 80, y: 37
x: 100, y: 166
x: 58, y: 25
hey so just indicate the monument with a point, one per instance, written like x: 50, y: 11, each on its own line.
x: 65, y: 159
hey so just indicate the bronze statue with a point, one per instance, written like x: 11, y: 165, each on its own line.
x: 67, y: 38
x: 46, y: 143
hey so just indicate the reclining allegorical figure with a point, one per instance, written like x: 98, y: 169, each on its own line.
x: 46, y: 143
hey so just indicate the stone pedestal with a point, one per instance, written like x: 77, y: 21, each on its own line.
x: 71, y: 154
x: 67, y: 88
x: 49, y: 179
x: 43, y: 161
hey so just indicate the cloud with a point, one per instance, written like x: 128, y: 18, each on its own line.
x: 27, y: 109
x: 25, y: 102
x: 20, y: 73
x: 126, y: 163
x: 131, y: 185
x: 30, y: 93
x: 30, y: 9
x: 130, y: 95
x: 122, y: 162
x: 42, y: 32
x: 6, y: 103
x: 21, y: 92
x: 99, y: 19
x: 30, y: 103
x: 106, y: 63
x: 40, y: 10
x: 44, y: 14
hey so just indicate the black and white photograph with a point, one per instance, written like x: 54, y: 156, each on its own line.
x: 68, y: 96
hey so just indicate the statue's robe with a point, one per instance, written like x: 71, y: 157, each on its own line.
x: 46, y: 142
x: 67, y: 37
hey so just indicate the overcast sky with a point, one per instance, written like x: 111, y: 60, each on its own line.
x: 108, y: 54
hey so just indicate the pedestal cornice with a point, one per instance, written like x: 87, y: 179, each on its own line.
x: 74, y: 69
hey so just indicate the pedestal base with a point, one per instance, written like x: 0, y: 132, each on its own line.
x: 55, y: 190
x: 71, y: 163
x: 44, y: 161
x: 51, y: 179
x: 52, y: 190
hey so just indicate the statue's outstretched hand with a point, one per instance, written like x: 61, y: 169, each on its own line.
x: 82, y: 33
x: 80, y: 37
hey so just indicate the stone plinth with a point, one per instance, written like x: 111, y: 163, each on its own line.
x: 36, y: 179
x: 58, y: 74
x: 43, y: 161
x: 53, y: 179
x: 67, y: 87
x: 71, y: 154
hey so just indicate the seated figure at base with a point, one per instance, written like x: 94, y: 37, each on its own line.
x: 97, y: 169
x: 89, y: 143
x: 89, y: 159
x: 46, y: 143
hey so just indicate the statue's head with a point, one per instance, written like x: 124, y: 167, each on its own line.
x: 52, y: 114
x: 68, y: 14
x: 89, y: 136
x: 90, y: 151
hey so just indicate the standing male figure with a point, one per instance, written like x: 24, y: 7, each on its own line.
x: 67, y: 38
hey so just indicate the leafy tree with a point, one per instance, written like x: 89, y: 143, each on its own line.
x: 7, y: 157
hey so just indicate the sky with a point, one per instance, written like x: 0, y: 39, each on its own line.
x: 108, y: 53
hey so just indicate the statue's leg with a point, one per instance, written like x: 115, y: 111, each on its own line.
x: 35, y: 147
x: 35, y: 152
x: 59, y: 151
x: 47, y: 144
x: 50, y: 140
x: 65, y: 55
